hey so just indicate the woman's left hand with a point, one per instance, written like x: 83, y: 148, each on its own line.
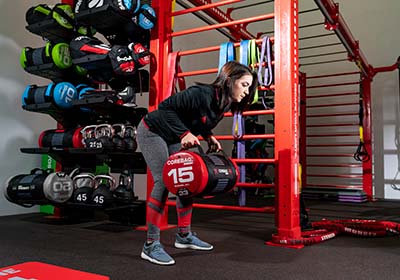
x: 213, y: 145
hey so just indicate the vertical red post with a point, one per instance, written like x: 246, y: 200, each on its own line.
x: 160, y: 46
x: 69, y: 2
x: 367, y: 134
x: 286, y: 119
x: 303, y: 128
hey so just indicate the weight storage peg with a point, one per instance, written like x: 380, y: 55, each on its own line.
x: 102, y: 194
x: 83, y: 188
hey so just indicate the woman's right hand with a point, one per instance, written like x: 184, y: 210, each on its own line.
x: 189, y: 140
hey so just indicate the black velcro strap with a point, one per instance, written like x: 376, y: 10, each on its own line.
x: 122, y: 60
x: 64, y: 15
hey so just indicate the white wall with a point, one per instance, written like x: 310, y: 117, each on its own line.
x: 375, y: 25
x: 19, y: 128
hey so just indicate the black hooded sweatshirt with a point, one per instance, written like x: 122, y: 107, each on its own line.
x: 195, y: 109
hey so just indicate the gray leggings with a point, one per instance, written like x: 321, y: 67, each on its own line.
x: 156, y: 152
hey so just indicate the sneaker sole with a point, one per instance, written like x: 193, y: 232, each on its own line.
x: 191, y: 246
x: 146, y: 257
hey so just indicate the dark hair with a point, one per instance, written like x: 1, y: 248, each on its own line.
x: 229, y: 73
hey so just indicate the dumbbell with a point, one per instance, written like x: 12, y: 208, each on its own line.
x: 83, y: 188
x: 102, y: 193
x: 124, y: 192
x: 130, y: 138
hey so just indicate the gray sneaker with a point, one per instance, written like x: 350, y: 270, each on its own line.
x: 155, y: 253
x: 191, y: 242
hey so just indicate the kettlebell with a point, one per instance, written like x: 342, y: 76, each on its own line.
x: 130, y: 138
x: 89, y: 137
x: 118, y: 132
x: 123, y: 193
x: 83, y: 188
x: 103, y: 135
x: 102, y: 194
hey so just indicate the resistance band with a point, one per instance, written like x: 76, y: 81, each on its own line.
x: 253, y: 55
x: 266, y: 64
x: 226, y: 53
x: 238, y: 132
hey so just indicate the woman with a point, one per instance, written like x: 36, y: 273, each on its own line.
x: 175, y: 125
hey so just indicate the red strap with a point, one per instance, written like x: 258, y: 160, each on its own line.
x: 181, y: 80
x: 173, y: 69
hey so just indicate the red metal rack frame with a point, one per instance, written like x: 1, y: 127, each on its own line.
x: 286, y: 96
x: 286, y: 87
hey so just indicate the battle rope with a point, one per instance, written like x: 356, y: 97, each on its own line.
x: 328, y: 229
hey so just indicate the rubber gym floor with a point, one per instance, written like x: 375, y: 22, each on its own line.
x: 112, y: 249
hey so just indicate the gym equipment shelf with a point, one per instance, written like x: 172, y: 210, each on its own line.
x: 94, y: 62
x: 116, y: 26
x: 133, y: 213
x: 100, y: 69
x: 104, y: 18
x: 104, y: 107
x: 51, y: 72
x: 101, y: 110
x: 95, y: 107
x: 52, y: 31
x: 87, y: 159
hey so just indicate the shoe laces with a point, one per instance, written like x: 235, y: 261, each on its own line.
x: 157, y: 247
